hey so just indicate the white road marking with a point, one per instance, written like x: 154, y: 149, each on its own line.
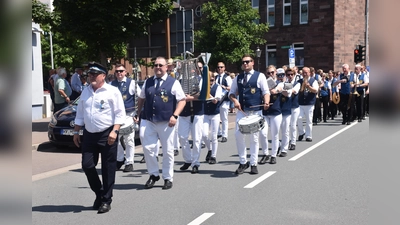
x: 51, y: 173
x: 260, y: 179
x: 201, y: 219
x: 294, y: 158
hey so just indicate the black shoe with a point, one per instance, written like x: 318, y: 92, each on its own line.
x: 120, y: 163
x: 242, y: 168
x: 160, y: 154
x: 203, y: 145
x: 176, y: 152
x: 212, y: 160
x: 97, y: 203
x: 128, y: 168
x: 273, y: 160
x: 301, y: 137
x: 151, y: 181
x: 143, y: 160
x: 167, y: 185
x: 219, y: 135
x: 105, y: 207
x: 348, y: 123
x: 359, y: 120
x: 224, y: 139
x: 309, y: 139
x: 325, y: 121
x: 208, y: 155
x: 253, y: 170
x: 264, y: 159
x: 343, y: 123
x: 195, y: 169
x: 283, y: 154
x: 292, y: 147
x: 185, y: 166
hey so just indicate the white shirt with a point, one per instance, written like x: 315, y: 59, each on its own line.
x: 261, y: 83
x: 76, y: 83
x: 131, y: 87
x: 101, y: 109
x: 175, y: 90
x: 220, y: 77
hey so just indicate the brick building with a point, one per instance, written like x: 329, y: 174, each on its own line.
x: 324, y: 33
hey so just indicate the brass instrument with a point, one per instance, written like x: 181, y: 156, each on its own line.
x: 352, y: 94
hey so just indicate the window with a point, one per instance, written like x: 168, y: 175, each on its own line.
x: 303, y: 11
x: 270, y: 57
x: 255, y: 5
x: 299, y: 54
x: 271, y: 13
x: 287, y: 12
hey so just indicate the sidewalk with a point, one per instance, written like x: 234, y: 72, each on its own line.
x: 39, y: 130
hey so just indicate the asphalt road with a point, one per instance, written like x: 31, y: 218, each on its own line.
x: 326, y: 185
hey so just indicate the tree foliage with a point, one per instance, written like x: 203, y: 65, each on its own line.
x: 228, y: 30
x: 107, y: 25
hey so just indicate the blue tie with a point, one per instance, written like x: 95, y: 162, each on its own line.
x: 245, y: 79
x: 158, y: 82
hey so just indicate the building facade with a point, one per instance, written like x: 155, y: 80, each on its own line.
x: 324, y: 33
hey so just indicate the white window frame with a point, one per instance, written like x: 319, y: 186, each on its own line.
x: 298, y: 46
x: 268, y: 49
x: 269, y: 9
x: 285, y: 4
x: 303, y: 2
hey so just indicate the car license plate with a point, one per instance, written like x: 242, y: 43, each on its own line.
x: 70, y: 132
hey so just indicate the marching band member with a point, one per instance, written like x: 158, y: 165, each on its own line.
x: 252, y: 90
x: 225, y: 81
x: 164, y: 100
x: 326, y: 96
x: 127, y: 88
x: 307, y: 97
x: 273, y: 118
x: 363, y: 82
x: 286, y: 108
x: 191, y: 122
x: 345, y: 88
x: 295, y: 109
x: 211, y: 120
x: 332, y: 106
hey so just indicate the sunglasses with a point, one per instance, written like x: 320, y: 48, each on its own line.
x: 220, y: 67
x: 246, y: 61
x: 119, y: 71
x: 271, y: 72
x: 289, y: 74
x: 280, y: 74
x: 212, y: 80
x: 158, y: 65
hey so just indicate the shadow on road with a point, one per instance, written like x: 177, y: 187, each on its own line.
x: 61, y: 208
x: 49, y: 147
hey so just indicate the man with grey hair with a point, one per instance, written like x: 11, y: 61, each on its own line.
x: 62, y: 91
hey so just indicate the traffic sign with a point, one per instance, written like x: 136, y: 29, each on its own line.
x: 292, y: 57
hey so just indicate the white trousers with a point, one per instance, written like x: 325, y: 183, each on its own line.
x: 210, y: 132
x: 285, y: 132
x: 223, y: 112
x: 176, y: 136
x: 293, y: 123
x: 129, y: 151
x: 149, y: 134
x: 274, y: 122
x: 241, y: 142
x: 195, y: 129
x: 306, y: 111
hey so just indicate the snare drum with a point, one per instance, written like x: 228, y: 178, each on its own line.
x: 127, y: 127
x: 251, y: 124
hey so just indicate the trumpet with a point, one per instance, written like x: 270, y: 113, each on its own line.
x: 303, y: 85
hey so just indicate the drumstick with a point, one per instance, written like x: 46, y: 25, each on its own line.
x: 243, y: 112
x: 260, y: 105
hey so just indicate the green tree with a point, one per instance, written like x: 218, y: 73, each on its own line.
x: 228, y: 30
x: 106, y: 25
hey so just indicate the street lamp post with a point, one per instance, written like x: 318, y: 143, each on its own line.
x: 258, y: 54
